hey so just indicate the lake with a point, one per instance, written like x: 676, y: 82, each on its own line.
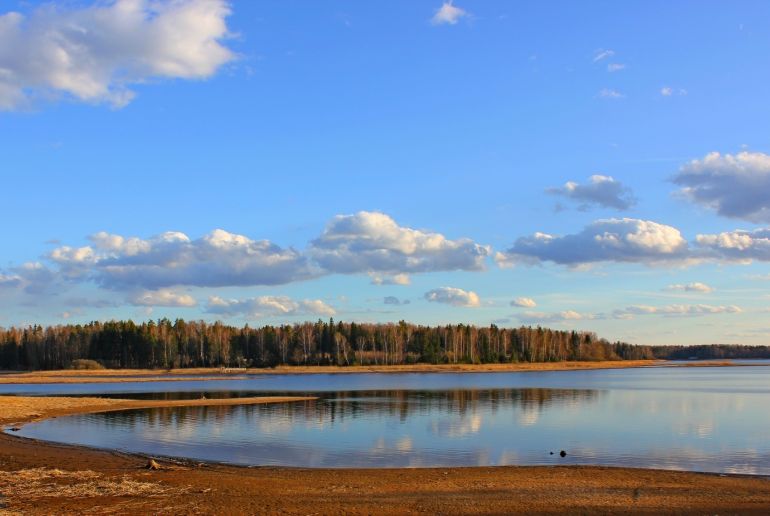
x: 713, y: 419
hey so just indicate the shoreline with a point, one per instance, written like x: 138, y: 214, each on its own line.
x: 39, y: 477
x: 218, y: 374
x: 17, y: 411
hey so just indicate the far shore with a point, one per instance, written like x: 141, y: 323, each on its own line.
x: 217, y: 373
x: 43, y: 478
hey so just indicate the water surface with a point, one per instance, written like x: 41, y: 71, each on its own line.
x: 701, y: 419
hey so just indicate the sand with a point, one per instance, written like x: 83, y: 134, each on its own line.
x: 211, y: 374
x: 44, y: 478
x: 17, y: 410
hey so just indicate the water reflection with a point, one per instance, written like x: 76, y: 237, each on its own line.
x: 704, y: 430
x: 390, y: 428
x: 337, y: 407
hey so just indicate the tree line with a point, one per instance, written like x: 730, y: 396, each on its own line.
x: 184, y: 344
x: 711, y: 352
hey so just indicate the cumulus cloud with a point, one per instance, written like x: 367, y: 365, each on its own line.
x: 31, y: 277
x: 602, y: 191
x: 453, y: 296
x: 448, y: 14
x: 163, y: 297
x: 698, y: 287
x: 95, y: 53
x: 735, y: 186
x: 367, y: 242
x: 553, y: 317
x: 605, y: 240
x: 396, y: 279
x: 738, y: 246
x: 675, y: 310
x: 524, y: 302
x: 266, y: 306
x: 372, y: 242
x: 217, y: 259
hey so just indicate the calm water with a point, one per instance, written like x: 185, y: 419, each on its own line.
x: 704, y: 419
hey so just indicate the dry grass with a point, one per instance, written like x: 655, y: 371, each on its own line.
x: 23, y: 490
x: 725, y: 363
x: 33, y: 484
x: 108, y: 376
x: 210, y: 374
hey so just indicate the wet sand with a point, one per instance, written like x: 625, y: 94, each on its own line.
x: 43, y: 478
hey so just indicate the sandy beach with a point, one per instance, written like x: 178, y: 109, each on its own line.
x: 43, y: 478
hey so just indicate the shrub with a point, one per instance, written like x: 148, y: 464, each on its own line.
x: 82, y: 363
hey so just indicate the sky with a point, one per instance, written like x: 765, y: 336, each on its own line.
x: 596, y: 166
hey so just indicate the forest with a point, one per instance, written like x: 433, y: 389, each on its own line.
x: 163, y: 344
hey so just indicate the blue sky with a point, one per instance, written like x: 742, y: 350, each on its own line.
x: 414, y: 152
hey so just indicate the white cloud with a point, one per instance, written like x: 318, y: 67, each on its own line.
x: 737, y: 246
x: 367, y: 242
x: 603, y: 54
x: 629, y: 312
x: 736, y: 186
x: 602, y: 191
x: 218, y: 259
x: 453, y: 296
x: 372, y: 242
x: 129, y: 246
x: 448, y: 14
x: 31, y: 277
x: 615, y: 67
x: 266, y: 306
x: 675, y: 310
x: 95, y: 53
x: 396, y: 279
x: 605, y: 240
x: 668, y: 91
x: 609, y: 93
x: 524, y: 302
x: 163, y: 297
x: 690, y: 287
x: 553, y: 317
